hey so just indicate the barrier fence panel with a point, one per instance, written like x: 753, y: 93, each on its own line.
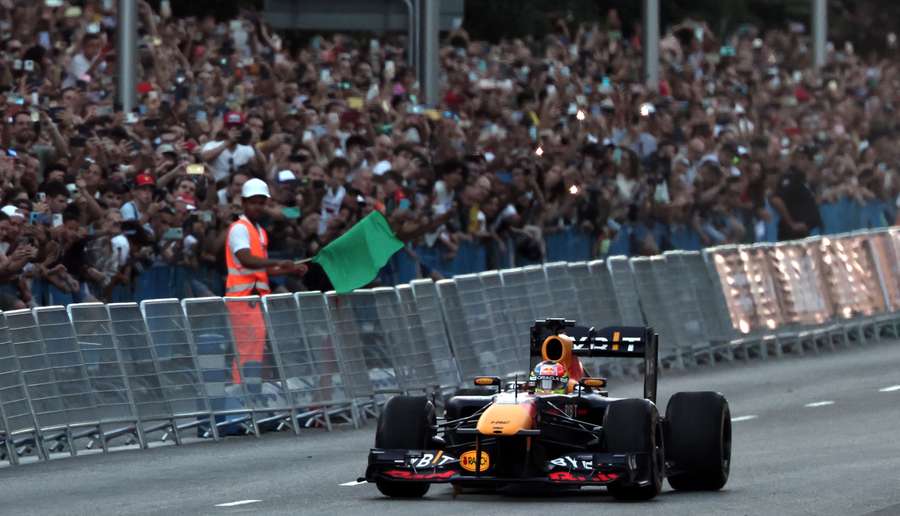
x: 255, y: 364
x: 412, y: 358
x: 625, y: 291
x: 801, y: 295
x: 357, y: 324
x: 699, y: 315
x: 647, y: 272
x: 209, y: 330
x: 421, y: 303
x: 179, y: 372
x: 512, y: 351
x: 311, y: 381
x: 749, y: 292
x: 708, y: 290
x: 857, y: 281
x: 893, y: 244
x: 681, y: 301
x: 562, y: 290
x: 597, y: 305
x: 91, y: 325
x: 18, y: 421
x: 132, y: 342
x: 68, y: 370
x: 333, y: 313
x: 538, y: 294
x: 593, y: 287
x: 40, y: 385
x: 801, y: 290
x: 887, y: 267
x: 518, y: 306
x: 610, y: 312
x: 461, y: 335
x: 477, y: 316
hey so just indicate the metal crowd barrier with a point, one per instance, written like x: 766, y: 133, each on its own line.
x: 123, y: 375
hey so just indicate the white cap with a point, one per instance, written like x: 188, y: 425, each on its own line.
x: 381, y: 167
x: 285, y: 176
x: 254, y: 187
x: 11, y: 211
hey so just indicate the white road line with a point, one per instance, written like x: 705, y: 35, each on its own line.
x: 892, y: 388
x: 819, y: 404
x: 353, y: 483
x: 239, y: 502
x: 743, y: 418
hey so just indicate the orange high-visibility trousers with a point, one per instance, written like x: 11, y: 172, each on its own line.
x: 249, y: 330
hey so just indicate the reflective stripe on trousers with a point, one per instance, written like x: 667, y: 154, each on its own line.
x: 246, y: 289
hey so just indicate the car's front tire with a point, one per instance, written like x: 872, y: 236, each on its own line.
x: 632, y: 426
x: 406, y: 422
x: 698, y: 441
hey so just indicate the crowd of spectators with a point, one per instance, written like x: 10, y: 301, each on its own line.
x: 740, y: 141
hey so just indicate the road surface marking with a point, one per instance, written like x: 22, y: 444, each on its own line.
x: 892, y: 388
x: 819, y: 404
x: 353, y: 483
x: 742, y: 418
x: 239, y: 502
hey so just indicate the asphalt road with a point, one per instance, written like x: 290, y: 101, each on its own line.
x: 814, y: 435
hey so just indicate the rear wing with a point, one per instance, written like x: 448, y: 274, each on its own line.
x: 612, y: 341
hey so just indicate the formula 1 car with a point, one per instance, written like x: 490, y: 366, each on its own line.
x: 582, y: 437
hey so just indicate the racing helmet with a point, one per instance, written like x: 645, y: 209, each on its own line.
x: 550, y: 377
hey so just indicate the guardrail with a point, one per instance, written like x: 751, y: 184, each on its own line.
x: 101, y: 376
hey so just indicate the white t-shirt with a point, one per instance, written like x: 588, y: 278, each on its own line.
x: 130, y: 211
x: 239, y: 238
x: 78, y: 66
x: 228, y: 160
x: 331, y: 206
x: 121, y: 249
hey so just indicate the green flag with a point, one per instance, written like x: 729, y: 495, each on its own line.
x: 354, y: 259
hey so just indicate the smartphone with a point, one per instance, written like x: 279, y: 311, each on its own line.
x: 131, y: 118
x: 173, y: 234
x: 200, y: 116
x: 205, y: 216
x: 195, y: 169
x: 28, y: 64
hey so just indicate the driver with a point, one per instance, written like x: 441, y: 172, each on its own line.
x: 550, y: 377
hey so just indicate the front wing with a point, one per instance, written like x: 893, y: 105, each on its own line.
x: 576, y: 469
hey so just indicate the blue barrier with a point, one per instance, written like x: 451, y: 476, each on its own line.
x: 569, y: 244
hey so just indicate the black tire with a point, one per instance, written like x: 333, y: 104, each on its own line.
x: 405, y: 423
x: 698, y: 441
x: 632, y: 425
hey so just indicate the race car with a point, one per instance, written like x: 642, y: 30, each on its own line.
x: 570, y: 433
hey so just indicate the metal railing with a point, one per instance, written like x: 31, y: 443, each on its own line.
x: 103, y: 376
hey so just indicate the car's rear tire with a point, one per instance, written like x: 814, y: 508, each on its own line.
x: 632, y: 426
x: 406, y: 422
x: 698, y: 441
